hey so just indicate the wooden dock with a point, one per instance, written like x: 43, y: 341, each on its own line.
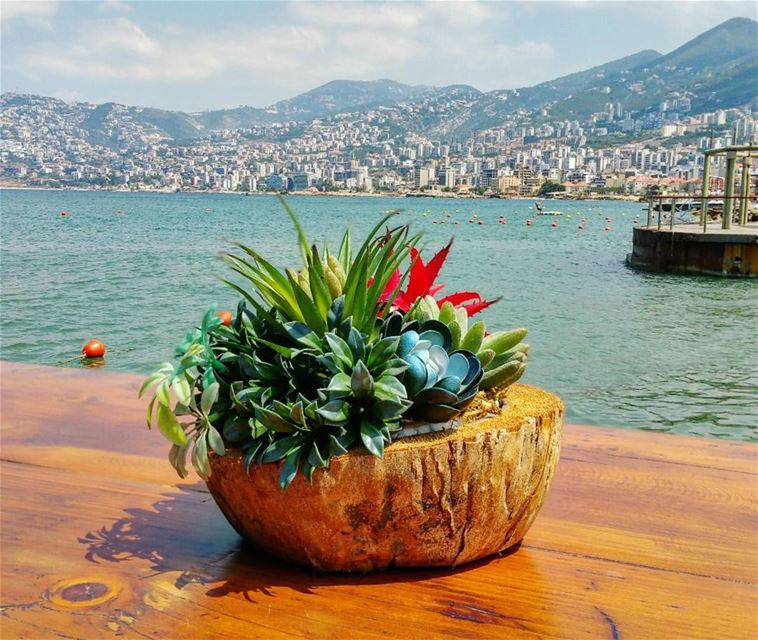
x: 644, y: 535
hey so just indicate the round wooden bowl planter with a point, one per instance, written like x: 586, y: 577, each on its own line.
x: 440, y: 499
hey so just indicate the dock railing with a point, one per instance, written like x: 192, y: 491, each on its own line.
x: 733, y: 154
x: 658, y: 203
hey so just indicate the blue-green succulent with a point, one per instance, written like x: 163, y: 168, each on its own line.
x: 440, y: 381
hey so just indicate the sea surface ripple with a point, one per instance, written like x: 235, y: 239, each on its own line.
x: 623, y: 348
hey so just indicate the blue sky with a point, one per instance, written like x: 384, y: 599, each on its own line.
x: 207, y: 55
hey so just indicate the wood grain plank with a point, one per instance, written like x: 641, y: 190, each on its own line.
x: 176, y: 560
x: 643, y: 535
x: 587, y: 512
x: 89, y: 408
x: 693, y: 451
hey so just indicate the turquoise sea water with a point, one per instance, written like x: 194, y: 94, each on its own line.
x: 622, y: 348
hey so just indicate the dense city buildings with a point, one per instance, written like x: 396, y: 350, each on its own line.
x: 50, y: 143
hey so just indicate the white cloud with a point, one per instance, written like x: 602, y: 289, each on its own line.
x: 370, y: 14
x: 417, y: 43
x: 33, y: 13
x: 120, y: 49
x: 119, y: 36
x: 113, y: 6
x: 465, y: 13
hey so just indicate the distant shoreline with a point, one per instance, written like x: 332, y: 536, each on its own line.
x: 325, y: 194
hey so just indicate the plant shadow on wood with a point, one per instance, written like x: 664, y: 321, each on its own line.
x: 185, y: 533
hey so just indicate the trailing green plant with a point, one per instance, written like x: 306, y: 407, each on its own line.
x: 320, y: 359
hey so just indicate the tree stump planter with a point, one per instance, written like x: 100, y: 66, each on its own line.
x: 440, y: 499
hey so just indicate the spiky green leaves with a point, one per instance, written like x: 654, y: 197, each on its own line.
x: 307, y: 295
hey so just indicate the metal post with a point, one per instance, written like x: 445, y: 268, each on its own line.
x: 650, y: 211
x: 745, y: 192
x: 660, y: 212
x: 673, y: 212
x: 706, y: 180
x: 731, y: 161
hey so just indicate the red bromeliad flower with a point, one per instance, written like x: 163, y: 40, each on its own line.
x: 421, y: 283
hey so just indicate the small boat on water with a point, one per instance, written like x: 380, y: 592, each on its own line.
x: 542, y: 212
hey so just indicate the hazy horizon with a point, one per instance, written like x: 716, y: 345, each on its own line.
x: 203, y: 56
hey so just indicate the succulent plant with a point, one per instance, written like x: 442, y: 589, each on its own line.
x: 440, y: 381
x: 361, y: 399
x: 502, y: 354
x: 306, y: 296
x: 316, y: 361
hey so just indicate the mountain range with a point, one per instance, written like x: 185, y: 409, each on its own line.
x: 717, y: 69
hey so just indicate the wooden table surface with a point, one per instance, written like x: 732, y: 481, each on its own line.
x: 644, y: 535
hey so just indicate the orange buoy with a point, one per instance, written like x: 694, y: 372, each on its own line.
x: 607, y: 228
x: 528, y: 223
x: 226, y: 317
x: 581, y: 226
x: 480, y: 222
x: 64, y: 214
x: 93, y: 349
x: 555, y: 224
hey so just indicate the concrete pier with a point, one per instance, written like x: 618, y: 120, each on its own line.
x: 687, y: 249
x: 731, y: 250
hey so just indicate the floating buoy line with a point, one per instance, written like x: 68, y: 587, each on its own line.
x: 446, y: 217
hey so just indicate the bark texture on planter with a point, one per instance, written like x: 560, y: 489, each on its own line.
x: 440, y: 499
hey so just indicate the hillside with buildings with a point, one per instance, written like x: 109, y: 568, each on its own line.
x: 614, y: 128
